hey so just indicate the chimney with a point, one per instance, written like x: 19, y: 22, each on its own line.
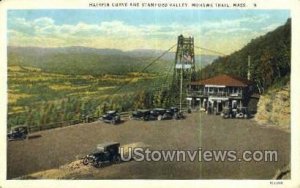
x: 249, y: 64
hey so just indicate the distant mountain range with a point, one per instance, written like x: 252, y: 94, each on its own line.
x: 201, y: 60
x: 84, y: 60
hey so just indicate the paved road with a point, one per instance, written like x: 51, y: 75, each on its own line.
x: 59, y: 146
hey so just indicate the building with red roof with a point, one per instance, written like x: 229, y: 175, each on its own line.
x: 219, y: 92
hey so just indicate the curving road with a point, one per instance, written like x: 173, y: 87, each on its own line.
x: 59, y: 146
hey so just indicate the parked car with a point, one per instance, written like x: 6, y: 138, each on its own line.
x: 111, y: 117
x: 158, y: 114
x: 141, y: 115
x: 104, y: 154
x: 235, y: 113
x: 163, y: 114
x: 242, y: 113
x: 227, y: 113
x: 146, y: 115
x: 18, y: 133
x: 176, y: 113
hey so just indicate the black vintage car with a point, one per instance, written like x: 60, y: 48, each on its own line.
x: 146, y: 115
x: 175, y: 113
x: 235, y: 113
x: 242, y: 113
x: 104, y: 154
x: 141, y: 115
x: 227, y: 113
x: 157, y: 114
x: 111, y: 117
x: 18, y: 133
x: 163, y: 114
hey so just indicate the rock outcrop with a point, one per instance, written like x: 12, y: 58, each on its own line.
x: 274, y: 108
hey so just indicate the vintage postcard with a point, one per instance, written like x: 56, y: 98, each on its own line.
x: 198, y: 91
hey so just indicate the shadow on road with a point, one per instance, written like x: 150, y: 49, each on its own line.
x: 35, y: 136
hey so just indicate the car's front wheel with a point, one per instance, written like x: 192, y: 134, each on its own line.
x: 175, y: 116
x: 24, y: 136
x: 98, y: 164
x: 117, y: 159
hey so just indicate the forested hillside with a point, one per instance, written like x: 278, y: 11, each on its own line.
x: 270, y: 57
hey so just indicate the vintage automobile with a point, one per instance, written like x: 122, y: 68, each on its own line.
x: 146, y: 115
x: 242, y: 113
x: 104, y: 154
x: 227, y: 113
x: 163, y: 114
x: 111, y: 117
x: 175, y: 113
x: 235, y: 113
x: 18, y: 133
x: 157, y: 114
x: 140, y: 115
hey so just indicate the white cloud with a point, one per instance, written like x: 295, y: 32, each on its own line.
x: 270, y: 27
x: 117, y: 34
x: 43, y: 22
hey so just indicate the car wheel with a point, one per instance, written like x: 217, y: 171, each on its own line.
x: 85, y: 161
x: 117, y: 160
x: 181, y: 116
x: 159, y: 117
x: 98, y: 164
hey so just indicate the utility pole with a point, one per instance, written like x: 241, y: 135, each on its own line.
x: 249, y: 64
x: 181, y: 81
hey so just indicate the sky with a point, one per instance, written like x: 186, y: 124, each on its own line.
x: 221, y: 30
